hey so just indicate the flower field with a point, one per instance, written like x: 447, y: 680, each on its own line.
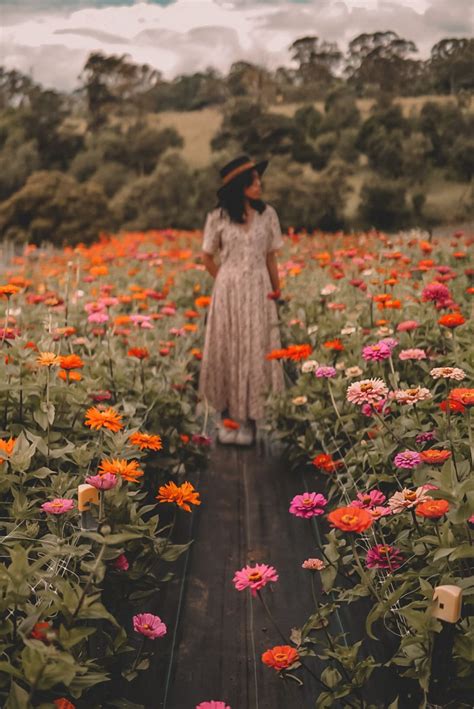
x: 100, y: 431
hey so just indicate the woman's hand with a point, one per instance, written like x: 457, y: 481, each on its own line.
x: 274, y: 295
x: 273, y: 272
x: 209, y: 263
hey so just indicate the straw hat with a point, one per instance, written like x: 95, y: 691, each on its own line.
x: 237, y: 167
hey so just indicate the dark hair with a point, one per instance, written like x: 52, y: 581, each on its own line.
x: 232, y: 199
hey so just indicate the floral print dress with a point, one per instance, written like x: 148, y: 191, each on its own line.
x: 242, y: 325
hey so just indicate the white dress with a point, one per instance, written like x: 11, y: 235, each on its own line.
x: 242, y: 325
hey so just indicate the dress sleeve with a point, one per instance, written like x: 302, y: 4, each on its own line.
x: 211, y: 233
x: 275, y: 239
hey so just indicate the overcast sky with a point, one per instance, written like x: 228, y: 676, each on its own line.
x: 51, y: 39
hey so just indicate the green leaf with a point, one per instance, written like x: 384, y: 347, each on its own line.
x: 18, y: 698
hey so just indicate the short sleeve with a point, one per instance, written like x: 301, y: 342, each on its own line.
x: 211, y: 233
x: 275, y: 239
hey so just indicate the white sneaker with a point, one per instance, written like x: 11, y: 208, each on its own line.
x: 226, y: 436
x: 245, y: 435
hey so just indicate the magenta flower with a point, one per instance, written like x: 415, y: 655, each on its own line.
x: 376, y: 353
x: 307, y: 505
x: 58, y: 506
x: 382, y: 407
x: 379, y: 511
x: 435, y: 292
x: 102, y: 482
x: 149, y: 625
x: 98, y: 317
x: 383, y: 557
x: 425, y: 437
x: 369, y: 499
x: 201, y: 440
x: 254, y: 577
x: 121, y: 563
x: 325, y: 372
x: 143, y: 321
x: 212, y: 705
x: 407, y: 459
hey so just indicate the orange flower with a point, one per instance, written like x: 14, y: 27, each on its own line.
x: 433, y: 509
x: 203, y: 301
x: 184, y: 437
x: 72, y: 361
x: 183, y: 495
x: 334, y: 345
x: 69, y: 376
x: 280, y: 657
x: 138, y: 352
x: 104, y: 418
x: 190, y: 327
x: 451, y: 320
x: 7, y: 446
x: 435, y: 457
x: 230, y: 423
x: 325, y: 462
x: 350, y: 519
x: 146, y: 441
x: 48, y: 359
x: 127, y: 469
x: 9, y: 290
x: 63, y: 703
x: 293, y: 352
x: 453, y: 406
x: 463, y: 396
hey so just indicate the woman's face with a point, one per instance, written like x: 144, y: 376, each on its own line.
x: 254, y: 190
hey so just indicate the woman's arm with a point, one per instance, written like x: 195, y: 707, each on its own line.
x: 210, y: 264
x: 272, y: 266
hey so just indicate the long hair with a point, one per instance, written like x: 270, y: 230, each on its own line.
x: 232, y: 198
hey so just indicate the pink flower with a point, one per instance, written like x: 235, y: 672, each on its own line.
x: 212, y: 705
x: 58, y: 506
x: 448, y: 373
x: 408, y: 325
x: 121, y: 563
x: 149, y: 625
x: 325, y: 372
x: 94, y: 307
x: 368, y: 499
x: 425, y: 437
x: 102, y: 482
x: 379, y: 511
x: 98, y: 317
x: 101, y: 395
x: 383, y: 408
x: 108, y: 301
x: 407, y: 499
x: 313, y: 564
x: 435, y: 292
x: 383, y: 557
x: 390, y: 342
x: 407, y: 459
x: 201, y: 440
x: 412, y: 396
x: 413, y: 353
x: 143, y: 321
x: 254, y: 577
x: 367, y: 391
x: 168, y: 310
x: 376, y: 353
x: 307, y: 505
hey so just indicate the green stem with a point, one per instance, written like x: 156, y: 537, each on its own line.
x: 364, y: 576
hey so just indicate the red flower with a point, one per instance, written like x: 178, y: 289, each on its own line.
x: 451, y: 320
x: 433, y: 509
x: 280, y: 657
x: 435, y: 457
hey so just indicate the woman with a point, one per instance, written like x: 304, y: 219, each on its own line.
x: 242, y: 324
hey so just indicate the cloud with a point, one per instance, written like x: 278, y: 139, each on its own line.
x: 51, y: 39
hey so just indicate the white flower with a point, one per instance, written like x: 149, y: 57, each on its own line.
x: 348, y: 330
x: 385, y: 330
x: 340, y: 365
x: 312, y: 329
x: 353, y: 372
x: 309, y: 366
x: 368, y: 272
x: 329, y: 289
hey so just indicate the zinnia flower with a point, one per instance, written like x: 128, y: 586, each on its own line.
x: 307, y: 505
x: 313, y: 564
x: 412, y: 396
x: 121, y: 563
x: 413, y: 353
x: 407, y: 499
x: 407, y: 459
x: 127, y: 469
x: 325, y: 462
x: 149, y: 625
x: 353, y: 372
x: 48, y: 359
x: 107, y: 418
x: 367, y: 391
x: 382, y: 556
x: 7, y: 447
x: 376, y: 353
x: 102, y: 482
x: 182, y: 495
x: 9, y: 290
x: 435, y: 457
x: 325, y: 372
x: 350, y: 519
x: 448, y: 373
x: 408, y: 326
x: 63, y: 703
x: 368, y: 499
x: 58, y: 506
x: 309, y: 366
x: 68, y: 362
x: 146, y: 441
x: 435, y: 292
x: 138, y: 352
x: 425, y: 437
x: 451, y: 320
x: 212, y: 705
x: 433, y: 509
x: 254, y: 577
x: 300, y: 400
x: 280, y: 657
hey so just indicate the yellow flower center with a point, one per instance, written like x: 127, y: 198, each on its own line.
x: 348, y: 519
x: 255, y: 576
x: 280, y: 656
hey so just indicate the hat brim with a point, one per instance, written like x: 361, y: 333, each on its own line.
x: 260, y: 167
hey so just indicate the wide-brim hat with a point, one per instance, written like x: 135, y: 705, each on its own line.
x: 237, y: 167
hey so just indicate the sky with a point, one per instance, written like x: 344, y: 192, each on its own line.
x: 50, y: 39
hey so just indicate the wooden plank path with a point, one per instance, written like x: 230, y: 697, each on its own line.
x: 216, y: 635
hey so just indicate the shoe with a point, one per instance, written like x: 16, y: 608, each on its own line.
x: 245, y: 436
x: 226, y: 436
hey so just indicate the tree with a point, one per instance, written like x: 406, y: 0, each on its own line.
x: 451, y: 64
x: 252, y: 81
x: 309, y: 119
x: 380, y: 59
x: 316, y: 59
x: 462, y: 157
x: 383, y: 205
x: 15, y: 88
x: 54, y: 207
